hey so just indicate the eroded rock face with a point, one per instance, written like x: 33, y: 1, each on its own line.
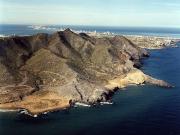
x: 68, y: 67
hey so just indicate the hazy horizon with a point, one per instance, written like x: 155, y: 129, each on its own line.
x: 114, y: 13
x: 79, y: 25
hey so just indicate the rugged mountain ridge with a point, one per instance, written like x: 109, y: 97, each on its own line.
x: 47, y: 72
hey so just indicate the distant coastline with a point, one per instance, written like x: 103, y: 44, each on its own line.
x: 154, y: 36
x: 23, y: 30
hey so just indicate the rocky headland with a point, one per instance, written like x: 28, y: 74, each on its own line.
x: 150, y: 42
x: 44, y: 72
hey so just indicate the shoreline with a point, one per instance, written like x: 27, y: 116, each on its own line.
x: 85, y: 70
x: 38, y: 104
x: 75, y: 105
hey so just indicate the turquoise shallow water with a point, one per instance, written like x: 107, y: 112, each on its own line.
x: 138, y: 110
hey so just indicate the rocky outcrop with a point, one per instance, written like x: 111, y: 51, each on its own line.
x: 47, y: 72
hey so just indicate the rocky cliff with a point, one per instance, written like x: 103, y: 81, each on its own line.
x: 48, y: 72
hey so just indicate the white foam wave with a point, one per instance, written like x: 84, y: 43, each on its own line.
x: 106, y: 103
x: 8, y: 110
x: 24, y: 111
x: 81, y: 104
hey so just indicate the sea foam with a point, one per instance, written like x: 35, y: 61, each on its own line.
x: 8, y: 110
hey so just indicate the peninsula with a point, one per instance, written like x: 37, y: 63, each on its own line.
x: 45, y: 72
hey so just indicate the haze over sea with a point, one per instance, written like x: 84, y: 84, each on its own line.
x: 138, y: 110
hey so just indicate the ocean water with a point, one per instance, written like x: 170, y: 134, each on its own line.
x: 6, y: 30
x: 137, y: 110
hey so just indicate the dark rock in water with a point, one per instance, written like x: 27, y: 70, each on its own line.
x: 44, y: 72
x: 158, y: 82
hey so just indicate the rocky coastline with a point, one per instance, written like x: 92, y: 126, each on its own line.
x: 45, y: 72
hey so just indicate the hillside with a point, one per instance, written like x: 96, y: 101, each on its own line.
x: 48, y: 72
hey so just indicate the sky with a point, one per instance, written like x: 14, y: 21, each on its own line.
x: 145, y: 13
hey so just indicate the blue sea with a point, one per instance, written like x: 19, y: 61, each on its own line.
x: 137, y: 110
x: 6, y: 30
